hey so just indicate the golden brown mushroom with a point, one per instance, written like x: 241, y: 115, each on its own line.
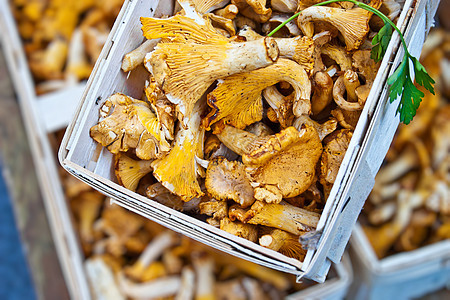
x: 172, y: 65
x: 281, y: 105
x: 178, y: 170
x: 333, y: 154
x: 228, y: 180
x: 284, y: 242
x: 282, y: 216
x: 353, y: 24
x: 129, y: 171
x: 291, y: 171
x: 246, y: 231
x: 323, y: 92
x: 254, y: 9
x: 237, y: 98
x: 131, y: 125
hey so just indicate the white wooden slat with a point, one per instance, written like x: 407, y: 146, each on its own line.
x: 56, y: 109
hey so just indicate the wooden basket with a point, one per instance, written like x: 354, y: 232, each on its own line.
x: 82, y: 156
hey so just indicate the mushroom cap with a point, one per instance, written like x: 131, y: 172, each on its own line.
x: 228, y: 180
x: 237, y: 98
x: 129, y: 171
x: 291, y: 171
x: 181, y: 29
x: 365, y: 65
x: 246, y: 231
x: 353, y: 24
x: 128, y: 126
x: 178, y: 170
x: 172, y: 65
x: 332, y: 156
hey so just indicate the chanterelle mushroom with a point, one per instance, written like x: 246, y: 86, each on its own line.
x: 256, y: 151
x: 172, y: 65
x: 353, y: 24
x: 206, y: 6
x: 237, y: 98
x: 333, y: 154
x: 368, y: 68
x: 178, y: 170
x: 130, y: 125
x: 290, y: 172
x: 254, y: 9
x: 129, y: 171
x: 282, y: 216
x: 228, y: 180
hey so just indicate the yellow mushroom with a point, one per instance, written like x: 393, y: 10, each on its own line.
x: 223, y: 23
x: 367, y: 68
x: 178, y: 170
x: 216, y: 209
x: 283, y: 242
x: 282, y: 216
x: 204, y: 273
x: 228, y: 180
x: 162, y: 195
x: 281, y: 105
x: 246, y: 231
x: 172, y: 65
x: 136, y: 57
x: 323, y: 92
x: 338, y: 54
x: 230, y: 11
x: 131, y: 124
x: 129, y: 171
x: 254, y: 9
x: 339, y: 89
x: 323, y: 129
x: 286, y: 6
x: 291, y: 171
x: 237, y: 98
x: 353, y: 24
x: 333, y: 154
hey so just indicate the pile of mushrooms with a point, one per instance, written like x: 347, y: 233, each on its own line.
x: 409, y: 206
x: 130, y: 257
x: 63, y: 39
x: 246, y: 129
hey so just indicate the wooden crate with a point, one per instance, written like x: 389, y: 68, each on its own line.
x: 403, y: 275
x: 80, y: 156
x: 45, y: 115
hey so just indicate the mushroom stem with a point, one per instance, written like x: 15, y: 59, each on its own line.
x: 351, y: 82
x: 136, y: 57
x: 323, y: 92
x: 284, y: 216
x: 157, y: 246
x: 187, y: 289
x: 230, y: 11
x: 407, y: 161
x: 162, y: 287
x: 246, y: 231
x: 129, y: 171
x: 204, y: 270
x: 338, y: 96
x: 101, y: 279
x: 322, y: 129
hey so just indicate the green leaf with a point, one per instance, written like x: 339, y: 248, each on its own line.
x: 397, y: 80
x: 410, y: 101
x: 380, y: 42
x: 422, y: 77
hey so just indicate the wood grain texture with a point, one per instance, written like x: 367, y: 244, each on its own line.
x: 26, y: 197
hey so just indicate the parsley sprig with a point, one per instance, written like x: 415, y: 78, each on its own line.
x: 400, y: 81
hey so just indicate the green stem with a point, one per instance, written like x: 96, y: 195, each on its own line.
x: 359, y: 4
